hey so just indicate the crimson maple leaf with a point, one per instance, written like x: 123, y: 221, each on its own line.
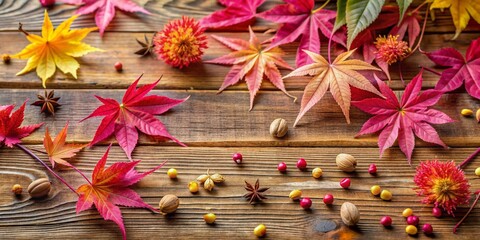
x: 236, y: 13
x: 252, y: 61
x: 410, y: 24
x: 135, y: 112
x: 298, y: 18
x: 403, y: 120
x: 109, y: 188
x: 460, y: 69
x: 10, y: 131
x: 105, y: 10
x: 57, y: 150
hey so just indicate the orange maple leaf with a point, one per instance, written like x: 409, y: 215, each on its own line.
x: 57, y: 150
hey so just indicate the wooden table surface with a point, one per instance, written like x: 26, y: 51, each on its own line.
x: 215, y: 126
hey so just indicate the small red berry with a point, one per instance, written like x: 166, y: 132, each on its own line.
x: 237, y: 158
x: 372, y: 169
x: 301, y: 164
x: 306, y: 203
x: 386, y: 221
x: 427, y: 229
x: 436, y: 212
x: 413, y: 220
x: 345, y: 183
x: 282, y: 167
x: 328, y: 199
x: 118, y: 66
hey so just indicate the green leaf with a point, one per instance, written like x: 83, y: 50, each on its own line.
x: 341, y: 9
x: 359, y: 15
x: 403, y: 6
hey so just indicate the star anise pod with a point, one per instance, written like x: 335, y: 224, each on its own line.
x: 48, y: 102
x: 147, y: 47
x: 255, y: 193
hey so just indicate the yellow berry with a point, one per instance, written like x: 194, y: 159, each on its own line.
x: 295, y: 194
x: 407, y: 212
x: 466, y: 112
x: 209, y: 218
x: 17, y: 189
x: 193, y: 186
x: 375, y: 190
x: 411, y: 230
x: 477, y: 171
x: 317, y: 172
x: 172, y: 173
x: 386, y: 195
x: 260, y: 230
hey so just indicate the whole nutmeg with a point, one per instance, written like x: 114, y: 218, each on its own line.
x: 39, y: 188
x: 278, y: 128
x: 346, y: 162
x: 349, y: 213
x: 169, y: 204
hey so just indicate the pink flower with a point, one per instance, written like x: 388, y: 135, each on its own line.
x: 181, y: 42
x: 390, y: 50
x: 442, y: 184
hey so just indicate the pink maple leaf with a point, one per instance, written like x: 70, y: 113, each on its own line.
x: 236, y: 13
x: 110, y: 187
x: 405, y: 119
x: 105, y: 10
x: 300, y: 20
x: 460, y: 69
x: 135, y: 112
x: 11, y: 131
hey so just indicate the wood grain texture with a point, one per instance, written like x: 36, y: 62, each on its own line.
x: 13, y: 11
x: 97, y: 69
x: 55, y: 216
x: 208, y: 119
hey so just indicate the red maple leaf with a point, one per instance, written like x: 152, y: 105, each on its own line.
x: 10, y: 131
x: 105, y: 10
x: 109, y: 188
x: 410, y: 24
x: 460, y: 69
x: 236, y: 13
x: 403, y: 120
x: 252, y: 61
x: 135, y: 112
x: 298, y: 18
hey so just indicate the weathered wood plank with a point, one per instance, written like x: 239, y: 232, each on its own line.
x: 55, y: 216
x: 13, y: 11
x: 208, y: 119
x: 97, y: 69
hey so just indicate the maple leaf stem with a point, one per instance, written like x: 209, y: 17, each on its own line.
x: 421, y: 34
x: 20, y: 28
x: 469, y: 158
x: 321, y: 7
x: 431, y: 70
x: 26, y: 150
x: 40, y: 151
x: 418, y: 8
x: 400, y: 73
x: 466, y: 215
x: 329, y: 46
x: 81, y: 173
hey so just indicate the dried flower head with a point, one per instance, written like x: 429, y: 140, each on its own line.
x: 210, y: 180
x: 390, y: 49
x: 442, y: 184
x: 181, y: 42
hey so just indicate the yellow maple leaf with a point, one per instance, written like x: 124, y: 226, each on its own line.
x: 461, y: 11
x: 55, y: 48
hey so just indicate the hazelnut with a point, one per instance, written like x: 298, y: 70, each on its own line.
x: 279, y: 128
x: 169, y: 204
x: 39, y: 188
x: 346, y: 162
x: 349, y: 214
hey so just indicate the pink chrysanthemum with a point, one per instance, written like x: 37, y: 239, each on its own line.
x: 181, y: 42
x: 442, y: 184
x: 390, y: 50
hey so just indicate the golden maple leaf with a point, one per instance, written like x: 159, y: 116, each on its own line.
x: 461, y: 11
x: 337, y: 76
x: 55, y: 48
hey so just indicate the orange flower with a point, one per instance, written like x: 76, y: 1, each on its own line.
x: 442, y: 184
x: 181, y: 42
x: 390, y: 50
